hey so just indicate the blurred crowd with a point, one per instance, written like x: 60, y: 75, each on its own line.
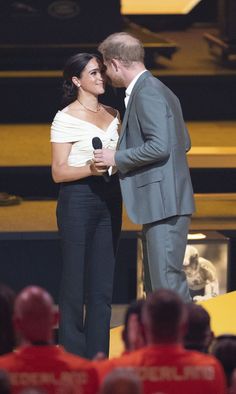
x: 169, y: 348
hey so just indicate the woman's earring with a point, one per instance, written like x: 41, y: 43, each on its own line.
x: 78, y: 85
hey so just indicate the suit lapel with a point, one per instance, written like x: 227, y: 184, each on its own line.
x: 126, y: 116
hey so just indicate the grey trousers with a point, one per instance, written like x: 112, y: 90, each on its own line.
x: 164, y: 244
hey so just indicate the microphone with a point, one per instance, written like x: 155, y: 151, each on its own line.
x: 97, y: 144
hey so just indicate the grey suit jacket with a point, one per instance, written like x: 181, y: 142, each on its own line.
x: 151, y: 155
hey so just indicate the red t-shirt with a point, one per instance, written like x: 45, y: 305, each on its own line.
x: 170, y: 369
x: 49, y: 368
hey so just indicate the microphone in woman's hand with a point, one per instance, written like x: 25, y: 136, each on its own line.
x: 97, y: 144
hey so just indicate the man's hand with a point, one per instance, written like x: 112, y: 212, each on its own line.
x: 97, y: 171
x: 104, y: 157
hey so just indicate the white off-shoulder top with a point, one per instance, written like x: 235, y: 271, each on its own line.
x: 68, y: 128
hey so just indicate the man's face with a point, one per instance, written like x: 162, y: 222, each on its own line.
x: 114, y: 74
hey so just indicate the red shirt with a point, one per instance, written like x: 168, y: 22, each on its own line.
x: 49, y: 368
x: 170, y: 369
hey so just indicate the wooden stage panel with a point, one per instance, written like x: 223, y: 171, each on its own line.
x: 172, y: 7
x: 213, y: 212
x: 213, y: 144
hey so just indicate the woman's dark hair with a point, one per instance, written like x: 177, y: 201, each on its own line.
x: 74, y: 68
x: 7, y: 335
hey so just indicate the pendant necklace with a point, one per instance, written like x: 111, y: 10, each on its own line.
x: 91, y: 110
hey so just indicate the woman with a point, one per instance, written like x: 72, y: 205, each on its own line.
x: 88, y: 210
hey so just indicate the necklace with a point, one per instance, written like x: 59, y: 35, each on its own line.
x: 91, y: 110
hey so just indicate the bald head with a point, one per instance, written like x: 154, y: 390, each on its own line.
x: 123, y: 47
x: 34, y: 314
x: 121, y: 381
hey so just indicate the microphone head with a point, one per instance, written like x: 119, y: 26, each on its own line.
x: 97, y: 143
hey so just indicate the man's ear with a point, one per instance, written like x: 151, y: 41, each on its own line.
x: 116, y: 64
x: 56, y: 316
x: 209, y: 338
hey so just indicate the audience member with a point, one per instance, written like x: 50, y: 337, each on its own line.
x: 121, y: 381
x: 37, y: 363
x: 232, y: 388
x: 5, y: 386
x: 199, y: 335
x: 133, y: 333
x: 164, y: 366
x: 7, y: 336
x: 224, y: 349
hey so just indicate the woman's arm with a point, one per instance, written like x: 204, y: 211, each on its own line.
x: 62, y: 172
x: 120, y: 124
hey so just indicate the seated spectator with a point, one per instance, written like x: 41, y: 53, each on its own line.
x: 121, y: 381
x: 232, y: 388
x: 5, y: 386
x: 199, y: 335
x: 7, y: 334
x: 37, y: 363
x: 224, y: 349
x: 133, y: 333
x: 164, y: 366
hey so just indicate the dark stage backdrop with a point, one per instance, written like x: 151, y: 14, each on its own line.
x: 58, y: 21
x: 227, y: 19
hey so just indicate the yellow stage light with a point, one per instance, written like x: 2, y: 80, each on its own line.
x: 135, y: 7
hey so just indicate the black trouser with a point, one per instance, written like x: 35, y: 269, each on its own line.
x: 89, y: 221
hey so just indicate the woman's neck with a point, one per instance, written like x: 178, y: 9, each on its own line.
x: 89, y: 103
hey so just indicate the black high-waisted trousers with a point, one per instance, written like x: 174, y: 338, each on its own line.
x: 89, y: 220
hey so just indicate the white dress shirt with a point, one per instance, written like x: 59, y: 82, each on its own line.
x: 130, y: 87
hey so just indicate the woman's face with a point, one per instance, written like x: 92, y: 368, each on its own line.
x: 92, y: 78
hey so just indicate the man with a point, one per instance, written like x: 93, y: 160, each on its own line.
x: 199, y: 335
x: 133, y: 334
x: 233, y: 383
x: 164, y: 366
x: 224, y: 349
x: 37, y: 363
x: 151, y: 161
x: 5, y: 387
